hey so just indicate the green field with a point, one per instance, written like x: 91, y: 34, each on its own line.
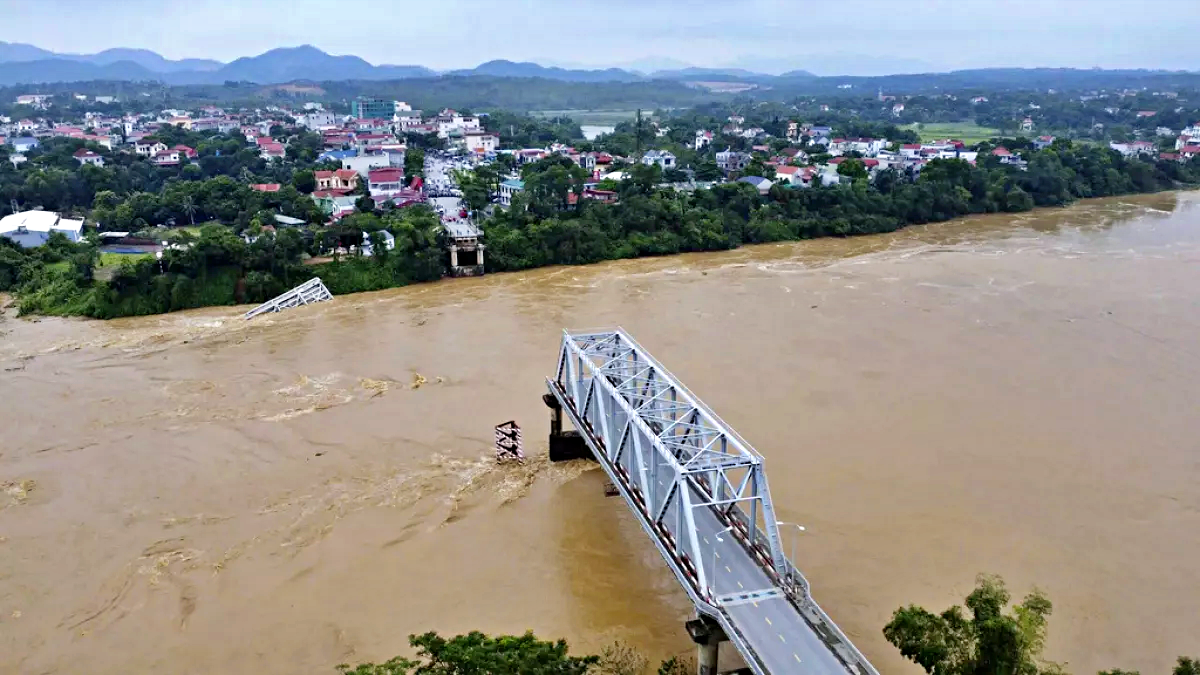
x: 590, y: 117
x: 115, y: 259
x: 967, y: 132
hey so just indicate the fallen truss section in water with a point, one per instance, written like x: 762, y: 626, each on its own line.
x: 306, y: 293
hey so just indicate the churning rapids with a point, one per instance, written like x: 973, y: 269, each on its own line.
x: 193, y: 493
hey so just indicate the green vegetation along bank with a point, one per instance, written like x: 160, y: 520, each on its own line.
x: 548, y: 226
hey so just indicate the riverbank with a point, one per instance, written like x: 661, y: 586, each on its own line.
x: 542, y: 229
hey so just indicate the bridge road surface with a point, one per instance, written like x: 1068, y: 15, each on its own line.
x: 779, y: 635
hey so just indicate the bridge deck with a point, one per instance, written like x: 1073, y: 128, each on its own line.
x: 698, y: 490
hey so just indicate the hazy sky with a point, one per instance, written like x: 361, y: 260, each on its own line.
x: 849, y: 36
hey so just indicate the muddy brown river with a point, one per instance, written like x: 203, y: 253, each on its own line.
x: 194, y: 493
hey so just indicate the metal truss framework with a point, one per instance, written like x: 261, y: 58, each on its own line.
x: 671, y: 455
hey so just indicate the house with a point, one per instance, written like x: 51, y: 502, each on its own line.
x: 368, y: 249
x: 508, y: 189
x: 1027, y: 124
x: 385, y: 181
x: 84, y: 156
x: 149, y: 148
x: 1043, y: 142
x: 1007, y: 157
x: 820, y: 132
x: 1146, y: 113
x: 316, y: 121
x: 1189, y: 152
x: 167, y: 158
x: 731, y: 160
x: 979, y: 99
x: 481, y: 142
x: 897, y: 109
x: 1170, y: 156
x: 788, y: 174
x: 33, y: 228
x: 185, y: 151
x: 761, y: 184
x: 1164, y: 132
x: 17, y: 159
x: 265, y: 187
x: 663, y: 158
x: 272, y: 150
x: 364, y: 163
x: 603, y: 196
x: 23, y: 144
x: 1134, y: 148
x: 342, y: 179
x: 334, y: 206
x: 793, y: 131
x: 35, y: 100
x: 29, y: 126
x: 910, y: 150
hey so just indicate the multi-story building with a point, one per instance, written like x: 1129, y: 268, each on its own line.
x: 372, y: 108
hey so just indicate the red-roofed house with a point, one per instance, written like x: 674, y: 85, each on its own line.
x: 910, y: 150
x: 265, y: 187
x: 167, y: 158
x: 385, y: 181
x: 788, y: 174
x: 1189, y: 152
x: 273, y: 150
x: 342, y: 179
x: 185, y: 151
x: 1001, y: 152
x: 84, y: 156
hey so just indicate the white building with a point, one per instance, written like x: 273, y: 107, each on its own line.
x: 703, y: 138
x: 509, y: 188
x: 33, y: 228
x: 315, y: 121
x: 449, y: 122
x: 663, y: 158
x: 364, y: 163
x: 149, y: 148
x: 88, y: 157
x: 480, y: 141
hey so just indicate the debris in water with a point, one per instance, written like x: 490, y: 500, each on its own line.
x: 380, y: 387
x: 418, y: 380
x: 18, y: 490
x: 16, y: 614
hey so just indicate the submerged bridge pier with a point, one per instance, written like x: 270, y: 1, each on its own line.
x: 700, y: 493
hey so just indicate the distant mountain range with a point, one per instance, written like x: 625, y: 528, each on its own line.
x: 27, y: 64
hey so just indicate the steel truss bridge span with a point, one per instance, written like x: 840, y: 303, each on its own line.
x: 700, y: 492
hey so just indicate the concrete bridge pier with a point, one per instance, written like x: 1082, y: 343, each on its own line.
x: 564, y: 445
x: 708, y: 636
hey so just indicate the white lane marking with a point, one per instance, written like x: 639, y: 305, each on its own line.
x: 781, y: 638
x: 740, y: 585
x: 797, y: 658
x: 768, y: 620
x: 728, y: 570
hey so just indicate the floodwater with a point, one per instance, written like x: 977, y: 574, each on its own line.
x: 194, y: 493
x: 593, y: 131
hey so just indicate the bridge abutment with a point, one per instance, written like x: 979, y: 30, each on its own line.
x: 564, y: 445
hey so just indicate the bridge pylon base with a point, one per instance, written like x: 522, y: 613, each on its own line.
x: 708, y: 636
x: 564, y: 445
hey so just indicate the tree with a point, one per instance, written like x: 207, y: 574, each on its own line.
x: 188, y: 206
x: 988, y: 643
x: 479, y: 654
x: 304, y: 181
x: 853, y: 168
